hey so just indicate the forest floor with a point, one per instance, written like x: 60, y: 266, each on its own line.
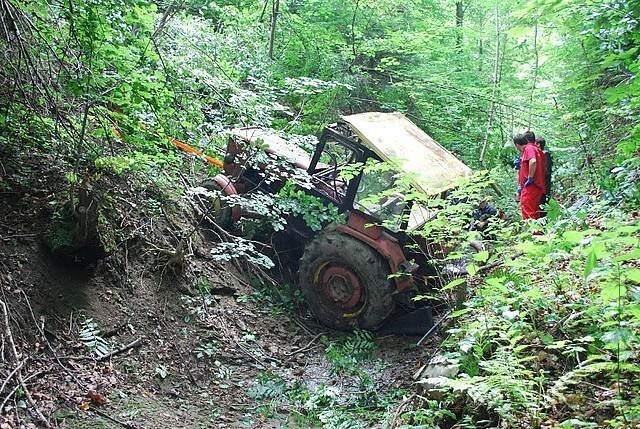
x: 130, y: 341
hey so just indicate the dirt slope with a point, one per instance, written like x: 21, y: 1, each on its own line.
x: 129, y: 340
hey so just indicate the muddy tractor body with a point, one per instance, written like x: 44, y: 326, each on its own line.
x: 354, y: 274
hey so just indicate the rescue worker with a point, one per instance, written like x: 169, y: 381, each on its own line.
x: 541, y: 143
x: 531, y: 176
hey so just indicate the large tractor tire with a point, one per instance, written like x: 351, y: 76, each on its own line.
x: 217, y: 208
x: 345, y: 282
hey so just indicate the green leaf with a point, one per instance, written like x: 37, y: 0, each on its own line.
x: 495, y: 281
x: 634, y: 254
x: 573, y: 236
x: 633, y: 310
x: 577, y: 236
x: 481, y: 256
x: 629, y: 229
x: 592, y: 261
x: 632, y: 274
x: 516, y: 263
x: 612, y: 291
x: 547, y: 339
x: 472, y: 269
x: 530, y: 248
x: 534, y: 293
x: 460, y: 312
x: 619, y: 335
x: 453, y: 284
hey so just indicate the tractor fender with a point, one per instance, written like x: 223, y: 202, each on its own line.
x: 387, y: 247
x: 227, y: 187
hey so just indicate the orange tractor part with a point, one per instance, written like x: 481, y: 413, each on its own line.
x: 197, y: 152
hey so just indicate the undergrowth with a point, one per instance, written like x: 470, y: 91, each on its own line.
x: 349, y: 399
x: 551, y: 337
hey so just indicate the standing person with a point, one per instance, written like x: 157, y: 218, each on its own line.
x: 541, y: 143
x: 531, y: 180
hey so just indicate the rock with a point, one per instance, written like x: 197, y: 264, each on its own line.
x: 432, y: 377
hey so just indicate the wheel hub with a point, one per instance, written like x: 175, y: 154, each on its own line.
x: 341, y: 286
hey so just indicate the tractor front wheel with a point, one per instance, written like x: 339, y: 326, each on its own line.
x: 345, y: 282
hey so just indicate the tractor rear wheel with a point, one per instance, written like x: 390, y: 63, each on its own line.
x: 217, y: 208
x: 345, y: 282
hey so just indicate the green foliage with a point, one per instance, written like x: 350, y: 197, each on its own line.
x: 348, y: 351
x: 90, y: 335
x: 351, y: 403
x: 429, y: 415
x: 504, y: 385
x: 511, y: 325
x: 316, y: 214
x: 198, y: 306
x: 207, y: 349
x: 240, y: 248
x: 281, y: 299
x: 267, y: 386
x: 61, y: 233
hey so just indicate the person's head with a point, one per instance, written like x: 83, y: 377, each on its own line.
x: 530, y: 136
x: 519, y: 141
x: 483, y: 200
x: 541, y: 142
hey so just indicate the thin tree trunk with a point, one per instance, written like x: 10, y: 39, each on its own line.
x: 459, y: 22
x: 353, y: 30
x: 274, y: 18
x: 496, y: 80
x: 535, y: 71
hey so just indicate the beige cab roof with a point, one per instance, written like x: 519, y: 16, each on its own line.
x: 396, y: 139
x: 275, y: 144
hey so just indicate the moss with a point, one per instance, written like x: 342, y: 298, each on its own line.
x: 60, y: 237
x: 106, y: 233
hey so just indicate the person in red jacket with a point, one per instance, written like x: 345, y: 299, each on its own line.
x: 531, y: 177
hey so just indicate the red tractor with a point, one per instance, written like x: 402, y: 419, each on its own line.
x: 357, y: 273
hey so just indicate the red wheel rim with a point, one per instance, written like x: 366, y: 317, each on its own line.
x: 341, y: 286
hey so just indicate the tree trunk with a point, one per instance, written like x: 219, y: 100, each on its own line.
x: 496, y: 81
x: 274, y: 18
x: 459, y: 21
x: 535, y: 71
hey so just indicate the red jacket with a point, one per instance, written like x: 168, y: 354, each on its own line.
x: 532, y: 151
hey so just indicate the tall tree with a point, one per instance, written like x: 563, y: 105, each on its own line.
x: 274, y: 18
x: 459, y: 22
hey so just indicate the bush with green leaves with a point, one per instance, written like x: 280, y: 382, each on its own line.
x: 279, y: 298
x: 566, y: 299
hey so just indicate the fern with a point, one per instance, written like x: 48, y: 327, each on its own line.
x: 591, y: 368
x: 505, y: 386
x: 267, y: 386
x: 90, y: 336
x: 346, y: 353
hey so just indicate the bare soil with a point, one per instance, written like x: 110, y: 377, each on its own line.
x: 185, y: 342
